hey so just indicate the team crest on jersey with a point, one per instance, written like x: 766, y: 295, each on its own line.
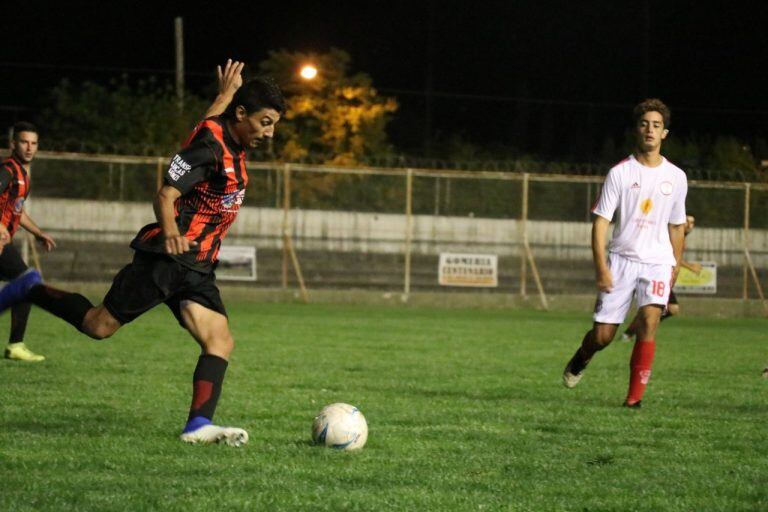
x: 232, y: 200
x: 646, y: 206
x: 666, y: 187
x: 18, y: 205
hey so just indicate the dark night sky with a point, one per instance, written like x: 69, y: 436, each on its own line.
x: 707, y: 63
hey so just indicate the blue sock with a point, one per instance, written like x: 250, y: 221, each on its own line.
x: 17, y: 289
x: 195, y: 423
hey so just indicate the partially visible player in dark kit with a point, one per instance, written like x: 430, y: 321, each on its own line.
x: 14, y: 190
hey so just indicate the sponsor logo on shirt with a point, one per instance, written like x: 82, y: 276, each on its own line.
x: 178, y: 168
x: 666, y: 187
x: 635, y: 185
x: 646, y: 205
x: 229, y: 170
x: 18, y: 205
x: 230, y: 201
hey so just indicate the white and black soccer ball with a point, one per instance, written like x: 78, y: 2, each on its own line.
x: 340, y: 426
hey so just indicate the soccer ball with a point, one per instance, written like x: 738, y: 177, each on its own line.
x: 340, y: 426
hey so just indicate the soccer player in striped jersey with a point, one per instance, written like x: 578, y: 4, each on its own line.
x: 14, y: 189
x: 175, y: 257
x: 649, y: 194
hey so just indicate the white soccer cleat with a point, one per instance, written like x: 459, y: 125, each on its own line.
x: 626, y: 337
x: 209, y: 434
x: 571, y: 379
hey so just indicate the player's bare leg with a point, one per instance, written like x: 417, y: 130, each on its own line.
x: 595, y: 340
x: 648, y: 318
x: 211, y: 331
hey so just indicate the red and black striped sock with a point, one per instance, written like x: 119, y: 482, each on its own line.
x: 206, y: 385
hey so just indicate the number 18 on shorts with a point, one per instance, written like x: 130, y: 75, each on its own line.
x: 648, y: 283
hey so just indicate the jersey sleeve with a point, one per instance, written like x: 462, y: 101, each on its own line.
x: 610, y: 196
x: 190, y: 166
x: 6, y: 175
x: 677, y: 215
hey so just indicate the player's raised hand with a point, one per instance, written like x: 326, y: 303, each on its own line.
x: 604, y: 281
x: 231, y: 78
x: 178, y: 244
x: 696, y: 268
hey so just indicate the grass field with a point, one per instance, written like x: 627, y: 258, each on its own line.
x: 465, y: 409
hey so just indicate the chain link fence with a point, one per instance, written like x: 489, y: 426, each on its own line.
x: 385, y: 228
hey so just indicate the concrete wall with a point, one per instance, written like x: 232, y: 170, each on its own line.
x: 378, y: 233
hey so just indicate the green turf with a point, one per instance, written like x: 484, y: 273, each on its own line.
x: 465, y: 409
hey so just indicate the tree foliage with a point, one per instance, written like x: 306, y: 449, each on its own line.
x: 121, y: 117
x: 337, y: 117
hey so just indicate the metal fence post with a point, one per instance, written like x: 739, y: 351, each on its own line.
x: 524, y: 234
x: 408, y: 231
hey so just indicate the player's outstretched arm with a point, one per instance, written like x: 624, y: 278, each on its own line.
x: 175, y: 242
x: 230, y: 80
x: 603, y: 278
x: 40, y: 235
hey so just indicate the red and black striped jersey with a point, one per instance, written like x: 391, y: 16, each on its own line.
x: 14, y: 184
x: 210, y: 174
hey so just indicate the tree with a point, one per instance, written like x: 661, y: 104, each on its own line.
x: 336, y: 117
x: 140, y: 118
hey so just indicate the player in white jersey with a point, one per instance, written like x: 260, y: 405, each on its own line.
x: 648, y: 193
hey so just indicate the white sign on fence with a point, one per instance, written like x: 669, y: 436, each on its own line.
x: 237, y: 263
x: 703, y: 282
x: 468, y: 270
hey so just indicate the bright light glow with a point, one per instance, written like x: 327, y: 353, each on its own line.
x: 308, y: 72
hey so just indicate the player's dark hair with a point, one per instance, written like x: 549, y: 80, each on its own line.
x: 652, y: 105
x: 256, y: 94
x: 22, y: 126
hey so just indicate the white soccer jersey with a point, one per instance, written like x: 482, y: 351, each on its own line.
x: 648, y: 200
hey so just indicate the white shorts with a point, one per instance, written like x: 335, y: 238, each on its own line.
x: 647, y: 283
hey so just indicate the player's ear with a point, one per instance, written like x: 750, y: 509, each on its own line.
x: 240, y: 113
x: 664, y: 133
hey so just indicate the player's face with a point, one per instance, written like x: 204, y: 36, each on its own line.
x: 650, y: 131
x: 256, y: 128
x: 690, y: 223
x: 24, y: 146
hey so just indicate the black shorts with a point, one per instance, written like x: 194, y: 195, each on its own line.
x: 11, y: 264
x: 672, y: 298
x: 154, y: 278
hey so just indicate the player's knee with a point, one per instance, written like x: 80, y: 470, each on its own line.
x: 99, y: 332
x: 221, y: 345
x: 673, y: 309
x: 100, y: 326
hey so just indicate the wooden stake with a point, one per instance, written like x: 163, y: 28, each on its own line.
x: 296, y: 268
